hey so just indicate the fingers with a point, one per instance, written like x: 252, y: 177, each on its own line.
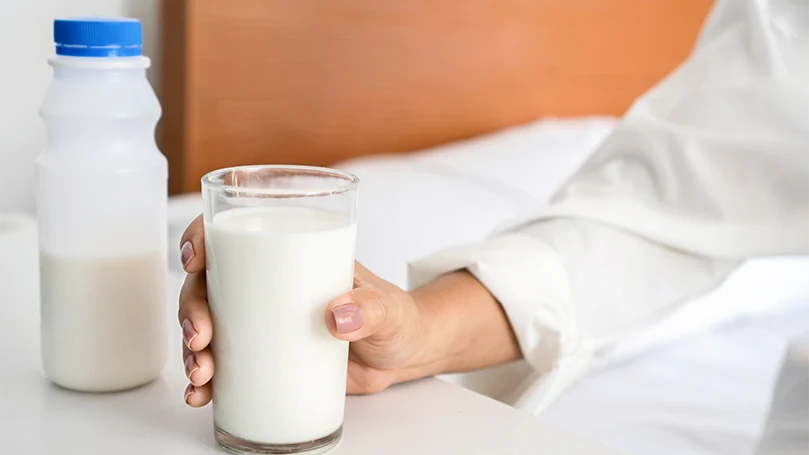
x: 362, y: 380
x: 199, y: 366
x: 357, y: 314
x: 194, y: 315
x: 195, y: 318
x: 198, y: 396
x: 192, y: 246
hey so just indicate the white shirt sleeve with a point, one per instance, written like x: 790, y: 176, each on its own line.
x: 707, y: 169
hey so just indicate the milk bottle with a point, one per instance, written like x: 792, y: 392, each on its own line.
x: 101, y: 196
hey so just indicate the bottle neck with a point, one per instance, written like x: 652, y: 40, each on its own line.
x: 100, y: 63
x: 79, y: 68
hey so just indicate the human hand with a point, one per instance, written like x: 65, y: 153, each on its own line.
x: 384, y: 325
x: 382, y: 322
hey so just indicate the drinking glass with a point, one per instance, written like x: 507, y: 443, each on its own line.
x: 279, y: 245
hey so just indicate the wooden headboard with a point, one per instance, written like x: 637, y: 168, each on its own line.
x: 315, y: 81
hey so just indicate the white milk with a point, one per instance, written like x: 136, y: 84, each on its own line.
x: 280, y: 377
x: 103, y: 320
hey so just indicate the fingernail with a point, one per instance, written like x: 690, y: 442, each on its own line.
x: 187, y: 252
x: 348, y: 318
x: 190, y: 365
x: 188, y: 391
x: 188, y: 332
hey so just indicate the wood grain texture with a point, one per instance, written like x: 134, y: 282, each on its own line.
x: 314, y: 82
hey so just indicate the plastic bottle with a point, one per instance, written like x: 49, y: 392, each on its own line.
x: 102, y: 199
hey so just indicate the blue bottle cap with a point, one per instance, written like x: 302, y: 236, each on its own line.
x: 98, y: 37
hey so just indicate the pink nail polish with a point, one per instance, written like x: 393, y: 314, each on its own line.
x: 187, y: 252
x: 190, y: 365
x: 348, y: 318
x: 188, y: 332
x: 188, y: 391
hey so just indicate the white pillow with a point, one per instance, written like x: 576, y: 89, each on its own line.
x: 415, y: 204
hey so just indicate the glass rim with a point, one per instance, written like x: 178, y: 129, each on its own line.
x: 352, y: 181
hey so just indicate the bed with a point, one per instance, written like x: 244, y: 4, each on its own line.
x: 390, y: 91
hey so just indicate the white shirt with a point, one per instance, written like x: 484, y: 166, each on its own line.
x: 707, y: 169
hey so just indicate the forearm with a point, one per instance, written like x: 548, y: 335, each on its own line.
x: 463, y: 328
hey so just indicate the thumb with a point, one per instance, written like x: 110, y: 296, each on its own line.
x: 358, y: 314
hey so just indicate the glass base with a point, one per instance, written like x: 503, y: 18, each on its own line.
x: 241, y: 446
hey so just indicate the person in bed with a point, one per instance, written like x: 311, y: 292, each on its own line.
x: 708, y: 168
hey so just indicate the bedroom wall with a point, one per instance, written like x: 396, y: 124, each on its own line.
x: 26, y: 31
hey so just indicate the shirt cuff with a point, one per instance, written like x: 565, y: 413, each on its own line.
x: 527, y: 277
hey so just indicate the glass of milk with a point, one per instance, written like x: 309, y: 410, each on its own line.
x: 279, y: 243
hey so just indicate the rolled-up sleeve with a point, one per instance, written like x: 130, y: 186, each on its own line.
x: 707, y: 169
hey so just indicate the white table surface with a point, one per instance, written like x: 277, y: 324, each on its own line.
x: 425, y: 417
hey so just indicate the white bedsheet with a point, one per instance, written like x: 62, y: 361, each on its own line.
x: 705, y: 395
x: 697, y: 384
x: 787, y: 429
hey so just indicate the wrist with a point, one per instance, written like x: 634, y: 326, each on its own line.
x: 460, y: 327
x: 438, y: 339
